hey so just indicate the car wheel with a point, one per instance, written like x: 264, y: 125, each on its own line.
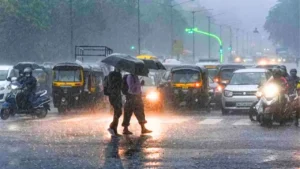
x: 5, y: 113
x: 224, y: 111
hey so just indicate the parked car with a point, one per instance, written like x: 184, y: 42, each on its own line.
x: 240, y: 93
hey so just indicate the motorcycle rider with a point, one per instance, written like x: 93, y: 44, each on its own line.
x: 293, y: 81
x: 21, y: 77
x: 30, y: 84
x: 284, y: 71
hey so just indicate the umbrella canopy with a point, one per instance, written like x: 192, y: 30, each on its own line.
x: 127, y: 63
x: 154, y: 64
x: 23, y: 65
x: 146, y: 57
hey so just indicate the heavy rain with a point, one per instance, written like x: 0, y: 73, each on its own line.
x: 117, y: 84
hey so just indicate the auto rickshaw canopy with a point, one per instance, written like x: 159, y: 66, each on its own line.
x: 146, y: 57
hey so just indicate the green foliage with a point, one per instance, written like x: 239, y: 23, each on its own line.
x: 283, y: 24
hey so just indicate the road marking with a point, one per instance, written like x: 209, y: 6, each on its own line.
x: 210, y: 121
x: 243, y: 122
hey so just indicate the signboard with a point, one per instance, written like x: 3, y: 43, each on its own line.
x: 177, y: 47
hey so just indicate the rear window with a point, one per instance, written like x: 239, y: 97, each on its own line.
x: 226, y: 74
x: 185, y: 76
x: 212, y: 72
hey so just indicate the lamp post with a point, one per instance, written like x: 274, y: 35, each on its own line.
x: 71, y: 27
x: 193, y: 12
x: 139, y: 29
x: 172, y: 26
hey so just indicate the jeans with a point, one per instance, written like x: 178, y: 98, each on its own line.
x: 134, y: 104
x: 116, y: 102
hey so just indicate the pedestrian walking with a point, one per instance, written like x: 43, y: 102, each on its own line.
x: 134, y: 104
x: 113, y: 90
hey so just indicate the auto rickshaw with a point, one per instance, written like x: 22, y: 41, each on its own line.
x: 188, y: 84
x: 75, y: 86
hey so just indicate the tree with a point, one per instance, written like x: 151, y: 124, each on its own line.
x: 283, y: 24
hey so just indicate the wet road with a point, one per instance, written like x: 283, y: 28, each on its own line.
x: 180, y: 140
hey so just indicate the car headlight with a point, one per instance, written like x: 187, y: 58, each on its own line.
x: 152, y: 96
x: 271, y: 90
x: 228, y: 93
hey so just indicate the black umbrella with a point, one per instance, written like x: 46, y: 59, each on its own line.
x: 127, y: 63
x: 22, y: 65
x: 154, y: 64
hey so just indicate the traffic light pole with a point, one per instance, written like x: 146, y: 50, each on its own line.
x: 209, y: 20
x: 193, y: 36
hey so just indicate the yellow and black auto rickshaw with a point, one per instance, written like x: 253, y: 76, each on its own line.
x: 75, y: 86
x: 188, y: 83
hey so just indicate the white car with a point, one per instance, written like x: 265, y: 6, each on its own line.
x: 6, y: 71
x: 240, y: 93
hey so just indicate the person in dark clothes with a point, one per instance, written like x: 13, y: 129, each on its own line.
x: 115, y: 98
x: 293, y: 81
x: 134, y: 104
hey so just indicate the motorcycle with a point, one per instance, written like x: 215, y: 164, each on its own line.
x: 274, y: 106
x: 16, y: 102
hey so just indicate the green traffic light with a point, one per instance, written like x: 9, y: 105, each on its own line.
x: 132, y: 47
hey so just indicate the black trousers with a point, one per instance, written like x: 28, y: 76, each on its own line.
x: 134, y: 104
x: 116, y: 102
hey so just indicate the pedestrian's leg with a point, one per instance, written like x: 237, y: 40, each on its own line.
x: 127, y: 115
x: 297, y: 118
x: 117, y: 105
x: 140, y: 114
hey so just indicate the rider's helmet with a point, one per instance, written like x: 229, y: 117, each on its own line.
x: 293, y: 72
x: 28, y: 71
x: 283, y: 70
x: 276, y: 73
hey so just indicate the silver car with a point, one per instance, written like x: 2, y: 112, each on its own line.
x: 240, y: 93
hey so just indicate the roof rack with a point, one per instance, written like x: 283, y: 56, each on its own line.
x: 90, y: 51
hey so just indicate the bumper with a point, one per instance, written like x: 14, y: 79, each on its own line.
x: 238, y: 102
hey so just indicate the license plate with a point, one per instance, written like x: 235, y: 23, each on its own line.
x: 184, y: 87
x: 243, y: 104
x: 185, y: 90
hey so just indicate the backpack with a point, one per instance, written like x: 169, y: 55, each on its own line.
x: 125, y: 85
x: 105, y: 86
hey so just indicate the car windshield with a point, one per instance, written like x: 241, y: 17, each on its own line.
x: 67, y: 75
x: 3, y: 74
x: 226, y: 74
x: 185, y: 76
x: 248, y: 78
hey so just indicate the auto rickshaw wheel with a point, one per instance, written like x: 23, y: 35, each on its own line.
x: 62, y: 110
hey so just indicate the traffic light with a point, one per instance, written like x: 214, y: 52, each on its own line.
x: 132, y: 47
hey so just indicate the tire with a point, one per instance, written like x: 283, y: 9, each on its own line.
x: 41, y: 113
x: 224, y: 111
x: 61, y: 110
x: 5, y: 113
x: 252, y: 112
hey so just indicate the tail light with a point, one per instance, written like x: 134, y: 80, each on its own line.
x: 197, y: 85
x: 217, y: 80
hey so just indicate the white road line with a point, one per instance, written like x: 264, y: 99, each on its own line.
x: 243, y: 122
x: 210, y: 121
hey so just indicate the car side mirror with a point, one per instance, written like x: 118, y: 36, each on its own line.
x: 143, y: 82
